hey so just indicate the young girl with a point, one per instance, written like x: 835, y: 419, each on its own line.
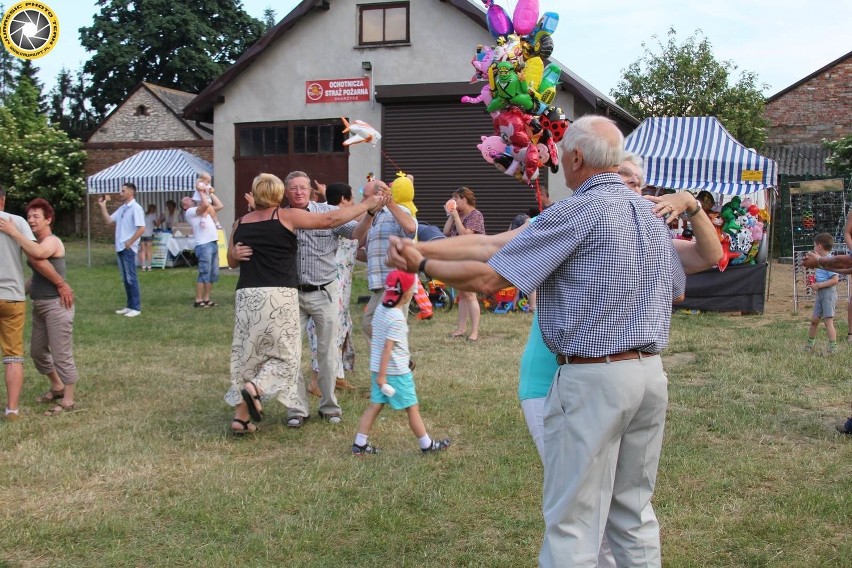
x: 392, y: 381
x: 203, y: 184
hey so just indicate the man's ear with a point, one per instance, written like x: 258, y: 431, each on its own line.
x: 576, y: 158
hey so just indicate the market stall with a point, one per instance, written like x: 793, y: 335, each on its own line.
x: 159, y: 175
x: 697, y: 153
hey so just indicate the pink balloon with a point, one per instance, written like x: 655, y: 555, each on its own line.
x: 499, y: 23
x: 525, y: 16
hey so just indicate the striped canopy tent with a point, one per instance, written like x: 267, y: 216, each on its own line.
x: 697, y: 153
x: 159, y: 176
x: 151, y: 171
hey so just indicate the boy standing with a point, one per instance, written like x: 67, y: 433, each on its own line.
x: 825, y: 287
x: 392, y: 381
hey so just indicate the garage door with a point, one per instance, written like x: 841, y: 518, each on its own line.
x: 436, y: 143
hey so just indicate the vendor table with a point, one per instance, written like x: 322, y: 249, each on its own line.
x: 740, y: 288
x: 180, y: 249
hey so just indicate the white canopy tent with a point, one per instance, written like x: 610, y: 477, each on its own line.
x: 159, y: 175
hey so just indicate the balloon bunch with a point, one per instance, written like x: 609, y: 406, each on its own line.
x: 519, y: 91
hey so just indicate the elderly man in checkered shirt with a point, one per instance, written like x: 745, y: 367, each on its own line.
x: 318, y: 288
x: 606, y: 274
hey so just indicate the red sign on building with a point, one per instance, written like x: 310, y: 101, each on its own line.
x: 337, y: 90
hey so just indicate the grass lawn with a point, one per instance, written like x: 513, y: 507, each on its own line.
x: 144, y: 473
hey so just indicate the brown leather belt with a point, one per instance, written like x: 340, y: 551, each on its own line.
x: 623, y: 356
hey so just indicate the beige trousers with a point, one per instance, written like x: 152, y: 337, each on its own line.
x: 321, y: 306
x: 603, y: 431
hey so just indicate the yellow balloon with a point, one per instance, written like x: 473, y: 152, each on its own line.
x: 533, y: 72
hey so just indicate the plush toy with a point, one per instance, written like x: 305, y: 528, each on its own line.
x: 742, y: 241
x: 751, y: 256
x: 756, y: 230
x: 728, y: 255
x: 729, y: 213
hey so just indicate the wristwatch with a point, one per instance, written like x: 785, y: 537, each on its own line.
x: 693, y: 212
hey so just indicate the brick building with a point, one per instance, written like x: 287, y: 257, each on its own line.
x: 817, y: 107
x: 150, y: 118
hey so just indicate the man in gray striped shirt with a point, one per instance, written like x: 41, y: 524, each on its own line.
x: 318, y: 287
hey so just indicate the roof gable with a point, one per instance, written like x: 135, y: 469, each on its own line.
x: 804, y: 80
x: 172, y: 100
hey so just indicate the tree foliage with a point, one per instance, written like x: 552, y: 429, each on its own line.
x: 182, y: 44
x: 269, y: 19
x: 36, y: 159
x: 69, y: 108
x: 9, y: 65
x: 840, y: 161
x: 687, y: 80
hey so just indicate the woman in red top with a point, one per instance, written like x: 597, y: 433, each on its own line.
x: 465, y: 219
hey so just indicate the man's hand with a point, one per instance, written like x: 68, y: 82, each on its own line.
x: 66, y: 295
x: 241, y: 252
x: 375, y: 202
x: 319, y: 189
x: 403, y: 254
x: 104, y: 198
x: 250, y: 200
x: 810, y: 260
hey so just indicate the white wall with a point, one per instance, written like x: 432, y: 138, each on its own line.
x: 323, y: 45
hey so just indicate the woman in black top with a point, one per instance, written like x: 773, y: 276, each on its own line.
x: 267, y: 345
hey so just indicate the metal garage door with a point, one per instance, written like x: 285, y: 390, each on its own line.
x: 436, y: 143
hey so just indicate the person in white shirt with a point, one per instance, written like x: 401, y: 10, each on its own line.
x: 129, y: 220
x: 206, y: 245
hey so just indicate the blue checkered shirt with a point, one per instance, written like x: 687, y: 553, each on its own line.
x: 384, y: 225
x: 605, y: 270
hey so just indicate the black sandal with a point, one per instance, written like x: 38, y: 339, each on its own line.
x: 201, y: 304
x: 245, y: 427
x: 255, y: 409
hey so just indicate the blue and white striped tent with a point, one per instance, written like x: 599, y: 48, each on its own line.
x: 151, y: 171
x: 698, y: 153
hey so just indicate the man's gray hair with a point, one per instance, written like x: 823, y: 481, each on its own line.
x: 599, y: 151
x: 293, y: 175
x: 639, y: 163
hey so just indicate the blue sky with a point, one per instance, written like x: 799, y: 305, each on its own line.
x: 780, y: 40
